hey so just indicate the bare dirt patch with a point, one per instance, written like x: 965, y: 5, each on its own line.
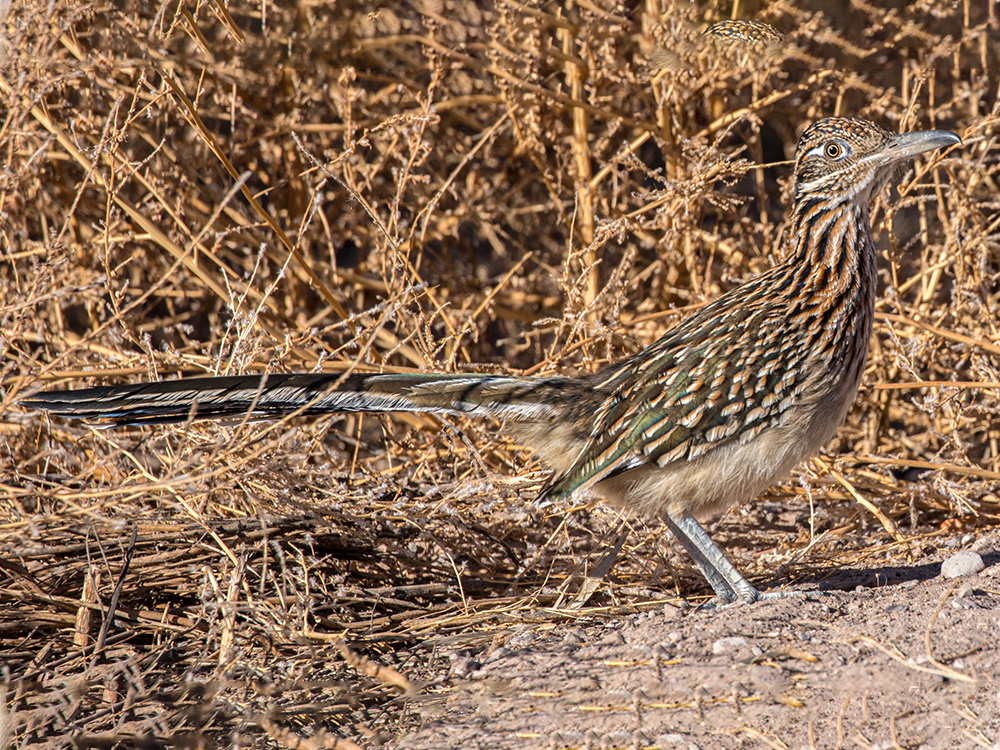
x: 911, y: 664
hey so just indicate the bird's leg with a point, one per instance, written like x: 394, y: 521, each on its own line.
x: 727, y: 582
x: 724, y: 592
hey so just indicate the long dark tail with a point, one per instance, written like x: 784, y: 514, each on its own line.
x: 275, y: 396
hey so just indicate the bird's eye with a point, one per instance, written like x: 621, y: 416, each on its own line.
x: 833, y: 150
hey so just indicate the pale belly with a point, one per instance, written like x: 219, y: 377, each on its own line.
x: 734, y: 472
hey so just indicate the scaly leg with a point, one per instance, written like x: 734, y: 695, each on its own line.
x: 727, y: 582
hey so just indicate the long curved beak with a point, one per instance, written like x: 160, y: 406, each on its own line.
x: 910, y: 144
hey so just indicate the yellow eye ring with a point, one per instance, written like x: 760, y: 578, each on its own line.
x: 833, y: 150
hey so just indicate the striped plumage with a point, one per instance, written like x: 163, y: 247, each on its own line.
x: 753, y: 33
x: 727, y: 42
x: 723, y: 405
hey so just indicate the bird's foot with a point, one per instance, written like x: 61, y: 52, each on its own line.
x: 763, y: 596
x: 748, y: 595
x: 716, y: 604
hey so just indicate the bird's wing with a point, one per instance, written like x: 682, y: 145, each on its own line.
x: 725, y: 374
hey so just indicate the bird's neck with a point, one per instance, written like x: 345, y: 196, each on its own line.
x: 833, y: 245
x: 831, y: 276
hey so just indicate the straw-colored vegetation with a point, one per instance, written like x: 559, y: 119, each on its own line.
x: 499, y: 186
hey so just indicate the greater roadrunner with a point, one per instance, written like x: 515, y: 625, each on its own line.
x: 725, y: 404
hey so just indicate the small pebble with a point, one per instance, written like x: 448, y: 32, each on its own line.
x: 729, y: 645
x: 614, y: 638
x: 498, y: 653
x: 964, y: 563
x: 521, y: 639
x: 461, y: 665
x: 574, y: 636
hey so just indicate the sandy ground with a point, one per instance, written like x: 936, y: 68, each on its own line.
x: 911, y: 663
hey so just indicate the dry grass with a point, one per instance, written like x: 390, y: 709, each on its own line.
x: 190, y: 188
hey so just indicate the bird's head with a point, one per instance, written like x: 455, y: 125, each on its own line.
x: 844, y: 158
